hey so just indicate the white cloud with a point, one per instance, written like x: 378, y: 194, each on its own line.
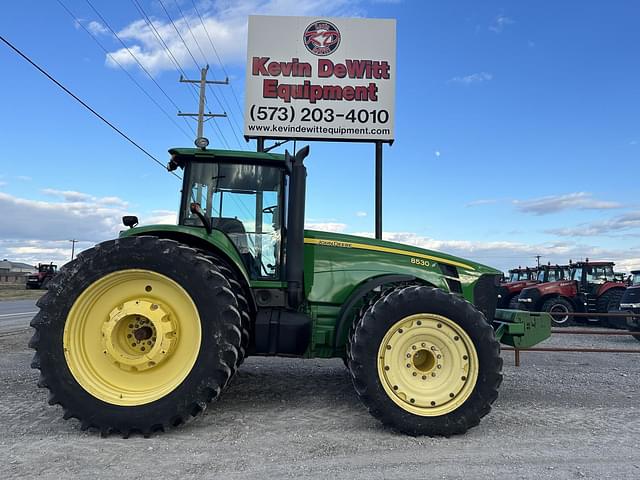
x: 78, y: 216
x: 611, y: 227
x: 40, y: 251
x: 225, y: 22
x: 499, y: 23
x: 326, y: 226
x: 71, y: 196
x: 504, y: 255
x: 97, y: 28
x: 482, y: 201
x: 68, y: 195
x: 112, y: 201
x: 160, y: 217
x: 569, y: 201
x: 361, y: 214
x: 437, y: 153
x: 24, y: 178
x: 472, y: 79
x: 39, y: 231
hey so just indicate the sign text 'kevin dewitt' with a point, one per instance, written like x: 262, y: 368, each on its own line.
x: 360, y: 69
x: 322, y: 79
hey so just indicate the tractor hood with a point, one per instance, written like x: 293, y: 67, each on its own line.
x: 419, y: 257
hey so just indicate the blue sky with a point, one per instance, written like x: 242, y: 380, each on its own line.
x: 517, y: 125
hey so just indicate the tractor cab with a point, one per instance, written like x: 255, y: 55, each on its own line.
x: 553, y: 273
x: 592, y: 276
x: 521, y: 275
x: 519, y: 278
x: 47, y: 268
x: 634, y: 279
x: 241, y: 194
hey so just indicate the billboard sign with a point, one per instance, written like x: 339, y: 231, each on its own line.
x: 320, y: 78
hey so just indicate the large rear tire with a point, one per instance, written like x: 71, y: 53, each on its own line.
x: 136, y: 335
x: 425, y: 362
x: 609, y: 302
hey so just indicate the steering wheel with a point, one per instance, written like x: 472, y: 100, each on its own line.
x: 271, y: 210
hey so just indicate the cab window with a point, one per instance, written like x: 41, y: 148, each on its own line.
x: 244, y: 202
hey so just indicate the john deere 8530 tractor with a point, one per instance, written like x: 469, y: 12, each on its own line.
x: 140, y: 333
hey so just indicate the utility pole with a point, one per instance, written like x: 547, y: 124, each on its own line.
x: 201, y: 141
x: 73, y: 247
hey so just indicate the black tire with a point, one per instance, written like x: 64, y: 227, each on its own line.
x: 374, y: 325
x: 369, y: 299
x: 559, y: 305
x: 246, y: 322
x: 219, y: 347
x: 607, y: 302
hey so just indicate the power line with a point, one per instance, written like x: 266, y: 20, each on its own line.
x: 172, y: 119
x: 132, y: 55
x: 75, y: 97
x: 194, y: 61
x: 204, y: 57
x: 135, y: 58
x: 217, y: 56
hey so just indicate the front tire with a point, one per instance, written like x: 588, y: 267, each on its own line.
x: 425, y: 362
x: 136, y: 335
x: 558, y: 307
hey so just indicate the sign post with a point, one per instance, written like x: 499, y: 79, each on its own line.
x: 325, y: 79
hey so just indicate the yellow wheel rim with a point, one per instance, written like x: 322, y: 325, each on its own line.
x: 132, y: 337
x: 427, y: 365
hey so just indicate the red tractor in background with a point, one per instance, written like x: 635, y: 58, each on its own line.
x: 38, y: 280
x: 509, y: 290
x: 592, y: 288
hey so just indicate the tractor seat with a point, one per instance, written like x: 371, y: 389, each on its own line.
x: 228, y: 225
x: 234, y: 229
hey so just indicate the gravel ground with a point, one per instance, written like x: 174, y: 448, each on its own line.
x: 560, y: 415
x: 19, y: 292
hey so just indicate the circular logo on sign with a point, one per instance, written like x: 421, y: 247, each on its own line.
x: 321, y: 38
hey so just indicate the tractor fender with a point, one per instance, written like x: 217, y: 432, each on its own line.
x: 344, y: 316
x: 217, y: 243
x: 608, y: 286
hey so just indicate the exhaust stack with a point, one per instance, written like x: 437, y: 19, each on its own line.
x: 295, y: 227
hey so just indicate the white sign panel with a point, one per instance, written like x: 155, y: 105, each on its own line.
x: 320, y: 78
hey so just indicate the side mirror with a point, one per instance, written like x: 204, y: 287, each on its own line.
x: 130, y: 221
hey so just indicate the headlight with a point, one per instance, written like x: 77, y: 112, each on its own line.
x: 525, y: 300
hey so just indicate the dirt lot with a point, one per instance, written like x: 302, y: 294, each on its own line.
x: 558, y: 416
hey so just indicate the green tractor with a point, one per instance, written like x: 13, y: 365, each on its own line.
x: 140, y: 333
